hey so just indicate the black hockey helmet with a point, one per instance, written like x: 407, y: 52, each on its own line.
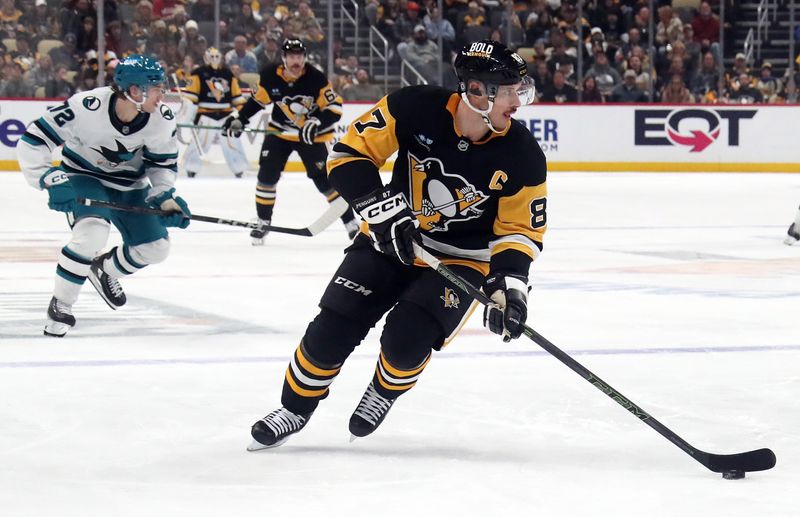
x: 293, y: 46
x: 490, y: 62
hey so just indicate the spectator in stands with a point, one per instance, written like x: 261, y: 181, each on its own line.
x: 59, y: 87
x: 743, y: 92
x: 246, y: 23
x: 12, y: 85
x: 537, y: 27
x: 241, y: 56
x: 304, y: 25
x: 143, y: 15
x: 66, y: 53
x: 627, y: 91
x: 364, y: 89
x: 516, y: 31
x: 670, y: 27
x: 87, y: 78
x: 118, y: 38
x: 635, y: 64
x: 202, y: 10
x: 590, y: 92
x: 605, y: 76
x: 560, y: 91
x: 41, y: 71
x: 165, y: 9
x: 541, y: 78
x: 72, y: 14
x: 403, y: 28
x: 693, y: 48
x: 706, y: 79
x: 644, y: 87
x: 475, y: 16
x: 559, y: 58
x: 424, y: 55
x: 23, y: 54
x: 198, y: 49
x: 676, y: 92
x: 9, y: 17
x: 641, y: 21
x: 347, y: 67
x: 268, y: 52
x: 706, y: 29
x: 436, y: 26
x: 768, y: 85
x: 42, y: 24
x: 87, y: 35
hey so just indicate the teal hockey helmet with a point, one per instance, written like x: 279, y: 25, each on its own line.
x: 139, y: 70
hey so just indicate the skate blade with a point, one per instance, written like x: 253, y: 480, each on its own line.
x: 353, y: 438
x: 790, y: 241
x: 99, y: 288
x: 256, y: 446
x: 258, y: 242
x: 56, y: 329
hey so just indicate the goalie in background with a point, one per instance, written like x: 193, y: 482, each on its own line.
x: 214, y: 94
x: 304, y: 114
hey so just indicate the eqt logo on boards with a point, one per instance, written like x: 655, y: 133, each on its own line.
x: 694, y: 128
x: 11, y: 130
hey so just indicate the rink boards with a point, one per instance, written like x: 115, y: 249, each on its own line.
x: 644, y: 137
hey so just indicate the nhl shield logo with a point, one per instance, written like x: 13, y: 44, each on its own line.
x: 450, y: 299
x: 463, y: 145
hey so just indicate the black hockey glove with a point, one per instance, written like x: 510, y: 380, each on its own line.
x: 234, y: 126
x: 392, y: 225
x: 309, y: 131
x: 510, y: 295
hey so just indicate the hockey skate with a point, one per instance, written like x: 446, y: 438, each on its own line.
x: 108, y: 287
x: 352, y: 228
x: 274, y: 429
x: 191, y: 174
x: 259, y: 234
x: 369, y: 414
x: 792, y: 235
x: 59, y: 318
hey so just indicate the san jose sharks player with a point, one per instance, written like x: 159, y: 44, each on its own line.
x: 118, y: 145
x: 469, y: 185
x: 305, y: 112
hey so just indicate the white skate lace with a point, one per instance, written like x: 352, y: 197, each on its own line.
x: 372, y: 406
x: 113, y: 285
x: 282, y: 421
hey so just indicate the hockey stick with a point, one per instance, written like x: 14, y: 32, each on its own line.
x: 732, y: 466
x: 219, y: 128
x: 336, y: 209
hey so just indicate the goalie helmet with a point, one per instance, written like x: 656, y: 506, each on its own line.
x: 213, y: 58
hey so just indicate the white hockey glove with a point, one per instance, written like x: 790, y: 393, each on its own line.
x: 392, y: 225
x: 309, y: 131
x: 510, y: 295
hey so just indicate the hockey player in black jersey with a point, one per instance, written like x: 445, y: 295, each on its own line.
x: 305, y: 112
x: 469, y: 185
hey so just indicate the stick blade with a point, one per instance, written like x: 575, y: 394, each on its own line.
x: 750, y: 461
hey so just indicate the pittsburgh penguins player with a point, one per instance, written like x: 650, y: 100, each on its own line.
x: 118, y: 145
x: 469, y: 184
x: 305, y: 112
x: 793, y: 234
x: 214, y: 94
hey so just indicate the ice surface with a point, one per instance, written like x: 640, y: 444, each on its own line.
x: 675, y: 289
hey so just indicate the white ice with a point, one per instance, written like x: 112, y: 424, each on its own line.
x: 675, y: 289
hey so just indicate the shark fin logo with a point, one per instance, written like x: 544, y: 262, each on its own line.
x: 115, y: 157
x: 439, y: 198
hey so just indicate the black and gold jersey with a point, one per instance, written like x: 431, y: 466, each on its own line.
x: 215, y: 91
x: 294, y: 101
x: 479, y: 202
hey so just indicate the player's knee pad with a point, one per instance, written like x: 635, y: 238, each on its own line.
x: 409, y: 335
x: 150, y: 252
x: 268, y: 174
x: 331, y: 337
x: 89, y: 236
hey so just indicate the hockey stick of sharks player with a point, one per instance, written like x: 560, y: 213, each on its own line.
x: 219, y: 128
x: 336, y: 209
x: 732, y: 466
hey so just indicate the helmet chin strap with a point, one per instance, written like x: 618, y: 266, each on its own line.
x: 483, y: 113
x: 135, y: 103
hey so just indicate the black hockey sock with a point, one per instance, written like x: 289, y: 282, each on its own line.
x: 306, y: 382
x: 265, y: 200
x: 391, y: 382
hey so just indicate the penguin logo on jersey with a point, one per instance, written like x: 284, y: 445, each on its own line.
x: 114, y: 158
x: 296, y: 108
x: 450, y: 299
x: 217, y: 87
x: 91, y: 103
x: 439, y: 198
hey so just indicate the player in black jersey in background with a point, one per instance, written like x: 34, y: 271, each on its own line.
x: 469, y: 184
x: 305, y: 112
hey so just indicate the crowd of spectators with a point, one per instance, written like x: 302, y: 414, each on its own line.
x: 49, y: 47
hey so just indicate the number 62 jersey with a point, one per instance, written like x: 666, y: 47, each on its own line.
x: 121, y: 155
x: 478, y: 203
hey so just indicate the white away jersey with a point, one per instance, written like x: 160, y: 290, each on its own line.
x: 123, y: 156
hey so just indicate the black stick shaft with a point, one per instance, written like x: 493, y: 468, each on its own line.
x: 761, y: 459
x: 202, y: 218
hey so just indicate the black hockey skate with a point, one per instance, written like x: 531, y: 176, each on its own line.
x: 792, y: 235
x: 59, y: 318
x: 108, y: 287
x: 369, y: 414
x: 274, y: 429
x: 259, y: 233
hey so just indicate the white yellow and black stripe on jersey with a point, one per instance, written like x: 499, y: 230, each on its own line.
x: 266, y: 194
x: 483, y: 202
x: 295, y: 100
x: 393, y: 381
x: 308, y: 379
